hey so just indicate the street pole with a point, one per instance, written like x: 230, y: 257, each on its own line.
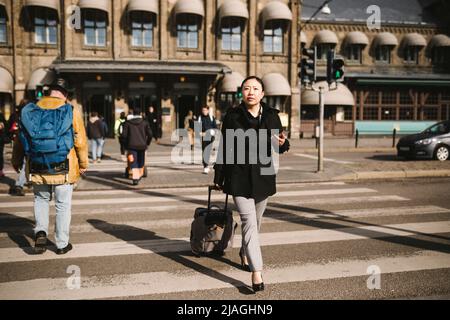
x: 321, y: 129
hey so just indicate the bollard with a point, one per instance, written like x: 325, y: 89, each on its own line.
x: 356, y: 138
x: 393, y: 137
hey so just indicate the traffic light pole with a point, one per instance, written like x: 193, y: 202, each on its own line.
x: 321, y: 128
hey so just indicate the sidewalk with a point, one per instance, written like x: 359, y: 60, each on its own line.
x: 374, y: 159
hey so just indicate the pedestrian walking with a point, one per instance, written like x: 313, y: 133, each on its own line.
x: 155, y: 123
x: 248, y: 182
x: 57, y: 154
x: 137, y: 136
x: 189, y: 121
x: 118, y: 129
x: 207, y: 135
x: 3, y: 140
x: 96, y: 134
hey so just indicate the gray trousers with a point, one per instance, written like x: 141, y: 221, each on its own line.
x: 251, y: 212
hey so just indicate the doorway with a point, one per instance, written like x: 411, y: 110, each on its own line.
x: 186, y: 103
x: 102, y: 103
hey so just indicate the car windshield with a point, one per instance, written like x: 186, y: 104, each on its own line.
x: 439, y: 128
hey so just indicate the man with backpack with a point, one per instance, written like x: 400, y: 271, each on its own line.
x: 53, y: 139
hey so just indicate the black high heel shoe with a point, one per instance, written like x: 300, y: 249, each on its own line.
x: 244, y: 266
x: 258, y: 286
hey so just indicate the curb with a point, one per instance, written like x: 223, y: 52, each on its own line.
x: 401, y: 174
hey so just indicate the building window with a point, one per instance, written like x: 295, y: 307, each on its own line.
x: 45, y: 26
x: 142, y: 24
x: 273, y: 37
x: 348, y: 113
x: 231, y: 32
x: 438, y: 55
x: 389, y: 98
x: 388, y: 113
x: 411, y: 54
x: 430, y: 113
x: 3, y: 27
x: 277, y: 102
x: 353, y: 53
x: 406, y: 113
x: 95, y: 28
x: 322, y: 50
x: 383, y: 54
x: 372, y: 98
x: 432, y: 98
x: 187, y: 31
x: 227, y: 100
x: 405, y: 98
x: 370, y: 113
x: 310, y: 113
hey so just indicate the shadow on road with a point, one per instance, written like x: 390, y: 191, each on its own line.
x: 178, y: 257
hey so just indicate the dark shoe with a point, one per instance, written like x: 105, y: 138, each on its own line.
x: 18, y: 191
x: 258, y: 286
x: 244, y: 266
x: 40, y: 245
x: 64, y: 250
x: 135, y: 182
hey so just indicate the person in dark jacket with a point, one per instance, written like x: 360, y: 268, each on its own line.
x: 243, y: 171
x: 208, y: 125
x: 154, y: 122
x: 137, y: 136
x: 96, y: 134
x: 3, y: 140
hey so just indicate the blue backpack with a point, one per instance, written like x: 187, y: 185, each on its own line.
x: 47, y: 137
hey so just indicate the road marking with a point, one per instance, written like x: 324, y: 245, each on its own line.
x: 185, y: 206
x: 171, y: 198
x: 129, y: 285
x: 269, y: 218
x: 186, y: 190
x: 102, y: 249
x: 325, y: 159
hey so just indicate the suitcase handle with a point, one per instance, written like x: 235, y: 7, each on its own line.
x: 210, y: 188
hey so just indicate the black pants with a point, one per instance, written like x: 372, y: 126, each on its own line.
x: 122, y: 147
x: 205, y: 144
x: 1, y: 155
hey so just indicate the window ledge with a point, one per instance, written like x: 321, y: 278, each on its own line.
x: 93, y: 48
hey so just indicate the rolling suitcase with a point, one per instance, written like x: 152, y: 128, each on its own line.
x: 213, y: 229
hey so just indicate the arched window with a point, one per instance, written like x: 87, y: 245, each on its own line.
x: 142, y: 26
x: 95, y: 24
x: 45, y: 25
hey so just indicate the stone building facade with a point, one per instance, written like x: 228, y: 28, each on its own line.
x: 179, y: 55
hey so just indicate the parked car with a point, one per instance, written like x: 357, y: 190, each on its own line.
x: 432, y: 143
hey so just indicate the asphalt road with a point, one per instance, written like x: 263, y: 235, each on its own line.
x: 319, y: 241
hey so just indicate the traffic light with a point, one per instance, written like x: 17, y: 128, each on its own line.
x: 307, y: 65
x: 39, y: 92
x: 335, y: 67
x: 239, y: 93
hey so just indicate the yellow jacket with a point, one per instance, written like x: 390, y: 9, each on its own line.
x: 78, y: 156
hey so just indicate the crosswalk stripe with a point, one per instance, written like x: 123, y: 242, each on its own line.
x: 189, y: 190
x: 291, y: 216
x: 325, y: 159
x: 98, y: 287
x: 185, y: 206
x: 266, y: 239
x: 171, y: 198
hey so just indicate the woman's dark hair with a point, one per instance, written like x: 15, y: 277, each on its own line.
x: 253, y: 77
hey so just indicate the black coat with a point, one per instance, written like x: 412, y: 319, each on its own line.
x: 247, y: 180
x: 136, y: 134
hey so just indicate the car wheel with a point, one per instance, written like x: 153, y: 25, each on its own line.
x: 442, y: 153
